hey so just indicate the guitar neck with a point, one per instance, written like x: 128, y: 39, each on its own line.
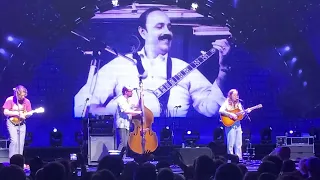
x: 183, y: 73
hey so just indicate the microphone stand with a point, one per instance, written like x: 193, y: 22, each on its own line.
x: 84, y: 140
x: 19, y: 126
x: 98, y: 46
x: 175, y: 112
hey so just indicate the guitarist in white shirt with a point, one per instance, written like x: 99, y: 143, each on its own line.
x: 194, y: 90
x: 125, y: 110
x: 234, y: 132
x: 17, y: 106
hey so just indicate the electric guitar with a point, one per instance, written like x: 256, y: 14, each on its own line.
x: 227, y: 121
x: 18, y: 120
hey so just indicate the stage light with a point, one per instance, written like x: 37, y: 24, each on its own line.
x: 218, y: 135
x: 190, y: 138
x: 28, y: 139
x: 287, y: 48
x: 166, y: 136
x: 55, y: 138
x: 266, y: 135
x: 115, y: 3
x: 293, y: 133
x: 305, y: 83
x: 10, y: 38
x: 194, y: 6
x: 3, y: 52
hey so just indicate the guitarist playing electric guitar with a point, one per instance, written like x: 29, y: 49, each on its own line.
x: 17, y: 107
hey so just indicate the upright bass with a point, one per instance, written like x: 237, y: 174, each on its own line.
x: 142, y: 139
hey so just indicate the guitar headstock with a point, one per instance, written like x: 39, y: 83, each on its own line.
x: 39, y: 110
x: 259, y: 106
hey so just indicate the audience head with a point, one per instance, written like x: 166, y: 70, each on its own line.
x: 18, y: 160
x: 228, y: 171
x: 165, y: 174
x: 66, y: 166
x: 35, y: 164
x: 243, y: 168
x: 204, y: 167
x: 178, y: 176
x: 146, y: 171
x: 303, y: 166
x: 53, y: 171
x: 103, y: 174
x: 267, y: 176
x: 162, y: 164
x: 12, y: 172
x: 251, y: 176
x: 268, y: 167
x: 288, y: 166
x: 276, y: 160
x: 112, y: 163
x: 313, y: 167
x: 284, y: 153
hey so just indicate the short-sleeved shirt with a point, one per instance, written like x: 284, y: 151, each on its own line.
x: 123, y: 119
x: 11, y: 104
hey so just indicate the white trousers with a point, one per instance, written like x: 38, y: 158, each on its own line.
x: 234, y: 140
x: 14, y: 138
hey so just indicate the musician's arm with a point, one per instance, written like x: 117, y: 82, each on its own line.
x: 207, y: 98
x: 6, y: 108
x: 7, y: 112
x: 28, y: 108
x: 223, y: 110
x: 126, y: 108
x: 102, y: 86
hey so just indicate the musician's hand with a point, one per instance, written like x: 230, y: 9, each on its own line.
x: 223, y: 46
x: 22, y: 116
x: 233, y: 116
x: 139, y: 112
x: 249, y: 111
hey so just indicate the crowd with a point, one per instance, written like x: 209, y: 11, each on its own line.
x: 277, y: 166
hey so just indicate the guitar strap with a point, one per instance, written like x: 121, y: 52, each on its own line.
x: 165, y: 97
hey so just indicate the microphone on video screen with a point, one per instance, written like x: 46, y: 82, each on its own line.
x: 240, y: 100
x: 14, y: 89
x: 178, y: 106
x: 143, y: 74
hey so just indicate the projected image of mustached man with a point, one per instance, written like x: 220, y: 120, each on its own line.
x: 194, y: 90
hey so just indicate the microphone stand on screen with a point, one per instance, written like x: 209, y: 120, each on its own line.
x: 97, y: 48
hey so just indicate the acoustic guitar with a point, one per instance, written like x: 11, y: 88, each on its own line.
x: 227, y: 121
x: 17, y: 120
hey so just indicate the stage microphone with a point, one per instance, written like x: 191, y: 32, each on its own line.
x: 178, y: 106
